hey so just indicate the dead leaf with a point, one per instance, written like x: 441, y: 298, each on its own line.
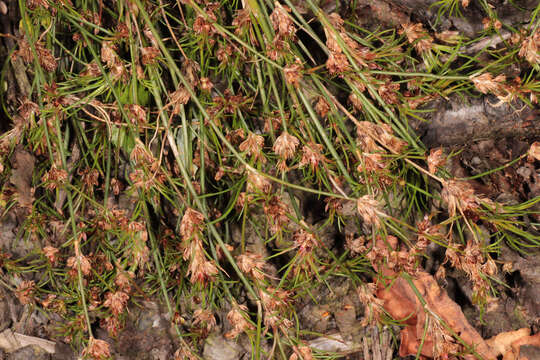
x: 402, y: 303
x: 11, y: 341
x: 21, y: 177
x: 533, y: 340
x: 502, y: 342
x: 509, y: 343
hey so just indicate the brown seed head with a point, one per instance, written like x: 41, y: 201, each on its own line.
x: 25, y: 291
x: 51, y: 253
x: 312, y: 155
x: 530, y: 48
x: 191, y: 223
x: 206, y: 84
x: 413, y: 32
x: 201, y: 270
x: 116, y: 301
x: 322, y: 107
x: 460, y: 195
x: 435, y: 160
x: 237, y: 318
x: 293, y: 73
x: 281, y: 21
x: 486, y: 83
x: 97, y: 349
x: 337, y: 63
x: 149, y: 55
x: 368, y: 209
x: 253, y: 146
x: 86, y: 268
x: 108, y: 54
x: 46, y: 58
x: 204, y: 318
x: 251, y: 264
x: 276, y: 211
x: 258, y: 182
x: 285, y: 145
x: 304, y: 241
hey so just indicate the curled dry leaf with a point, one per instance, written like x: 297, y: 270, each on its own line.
x: 533, y: 340
x: 502, y: 342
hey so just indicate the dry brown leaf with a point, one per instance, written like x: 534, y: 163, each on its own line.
x: 509, y: 343
x: 502, y: 342
x: 533, y: 340
x: 21, y: 177
x: 402, y: 303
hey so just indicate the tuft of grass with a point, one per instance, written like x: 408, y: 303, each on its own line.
x: 173, y: 138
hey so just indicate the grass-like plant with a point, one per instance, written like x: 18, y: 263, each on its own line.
x: 204, y: 153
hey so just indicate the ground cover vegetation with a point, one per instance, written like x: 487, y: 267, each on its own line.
x: 240, y: 163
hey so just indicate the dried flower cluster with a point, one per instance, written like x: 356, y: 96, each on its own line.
x: 383, y: 134
x: 44, y: 55
x: 337, y: 62
x: 148, y: 173
x: 368, y: 208
x: 79, y: 260
x: 305, y: 243
x: 203, y: 24
x: 281, y: 21
x: 471, y: 260
x: 200, y: 269
x: 530, y: 48
x: 203, y: 321
x: 97, y: 349
x: 237, y: 317
x: 372, y: 306
x: 275, y: 304
x: 112, y: 61
x: 285, y: 147
x: 253, y: 146
x: 417, y: 36
x: 435, y: 160
x: 55, y: 178
x: 252, y: 265
x: 312, y: 156
x: 257, y: 182
x: 486, y: 83
x: 276, y: 212
x: 460, y: 195
x: 25, y: 291
x: 293, y: 73
x: 303, y: 352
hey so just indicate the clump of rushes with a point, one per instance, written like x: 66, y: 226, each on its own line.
x: 153, y: 129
